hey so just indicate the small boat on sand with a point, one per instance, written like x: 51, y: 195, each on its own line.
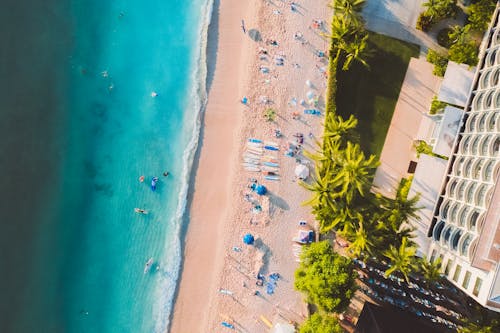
x: 148, y: 265
x: 154, y: 181
x: 140, y: 211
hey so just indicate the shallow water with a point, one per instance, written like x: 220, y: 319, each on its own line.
x: 79, y: 126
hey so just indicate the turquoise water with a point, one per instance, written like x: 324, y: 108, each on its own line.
x: 84, y: 270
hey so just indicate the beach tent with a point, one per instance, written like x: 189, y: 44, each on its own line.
x: 248, y: 239
x: 301, y: 171
x: 283, y: 328
x: 261, y: 190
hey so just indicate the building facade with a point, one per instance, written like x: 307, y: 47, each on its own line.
x: 465, y: 227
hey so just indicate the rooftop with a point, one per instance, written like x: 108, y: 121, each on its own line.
x: 450, y: 124
x: 428, y: 185
x: 456, y: 84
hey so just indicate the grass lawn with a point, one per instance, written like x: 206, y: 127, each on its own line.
x: 371, y: 94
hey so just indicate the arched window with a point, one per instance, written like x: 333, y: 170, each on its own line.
x: 438, y: 228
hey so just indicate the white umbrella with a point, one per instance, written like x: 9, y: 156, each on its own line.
x: 302, y: 171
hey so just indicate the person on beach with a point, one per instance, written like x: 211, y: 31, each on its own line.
x: 243, y: 26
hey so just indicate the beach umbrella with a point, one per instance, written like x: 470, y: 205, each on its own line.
x: 255, y: 35
x: 248, y: 239
x: 302, y: 171
x: 261, y: 190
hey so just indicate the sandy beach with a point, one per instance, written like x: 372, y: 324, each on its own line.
x: 218, y: 280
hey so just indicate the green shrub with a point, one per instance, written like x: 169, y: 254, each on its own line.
x: 464, y: 53
x: 437, y: 106
x: 270, y: 114
x: 443, y: 37
x: 327, y: 278
x: 439, y: 61
x: 480, y: 14
x: 436, y: 11
x: 318, y: 323
x: 422, y: 147
x: 331, y: 90
x: 424, y: 22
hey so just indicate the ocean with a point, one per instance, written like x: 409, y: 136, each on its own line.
x: 93, y: 95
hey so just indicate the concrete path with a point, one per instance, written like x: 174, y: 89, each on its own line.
x: 419, y: 86
x: 397, y: 18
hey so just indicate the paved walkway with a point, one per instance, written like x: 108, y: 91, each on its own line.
x: 397, y: 18
x: 419, y: 86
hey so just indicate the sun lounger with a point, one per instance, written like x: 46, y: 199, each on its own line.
x: 314, y: 112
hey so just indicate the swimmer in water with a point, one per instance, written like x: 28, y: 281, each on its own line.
x: 166, y: 173
x: 141, y: 179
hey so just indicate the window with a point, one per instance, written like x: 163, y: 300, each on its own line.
x: 465, y: 284
x: 448, y: 267
x: 433, y: 256
x: 458, y: 270
x: 477, y: 286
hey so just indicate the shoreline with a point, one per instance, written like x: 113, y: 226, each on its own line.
x: 218, y: 215
x: 215, y: 125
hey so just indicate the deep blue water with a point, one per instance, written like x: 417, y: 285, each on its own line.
x: 78, y: 127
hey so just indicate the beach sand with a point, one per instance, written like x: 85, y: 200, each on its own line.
x: 219, y: 213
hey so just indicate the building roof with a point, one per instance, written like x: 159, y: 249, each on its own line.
x: 427, y: 182
x: 389, y: 319
x: 448, y: 130
x: 456, y: 85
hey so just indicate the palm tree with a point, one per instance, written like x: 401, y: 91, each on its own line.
x: 362, y: 240
x: 353, y: 172
x: 357, y: 50
x: 321, y: 189
x: 431, y: 271
x: 402, y: 259
x: 400, y: 209
x: 336, y: 129
x: 349, y: 9
x: 341, y: 31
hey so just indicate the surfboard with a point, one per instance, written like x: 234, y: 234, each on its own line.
x: 254, y: 144
x: 271, y: 164
x: 254, y: 140
x: 272, y: 177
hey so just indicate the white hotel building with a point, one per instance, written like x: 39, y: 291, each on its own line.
x: 462, y: 223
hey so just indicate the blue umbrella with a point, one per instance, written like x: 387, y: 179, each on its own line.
x: 228, y: 325
x: 261, y: 190
x: 248, y: 239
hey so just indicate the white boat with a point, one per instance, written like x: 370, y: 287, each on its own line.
x: 148, y: 265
